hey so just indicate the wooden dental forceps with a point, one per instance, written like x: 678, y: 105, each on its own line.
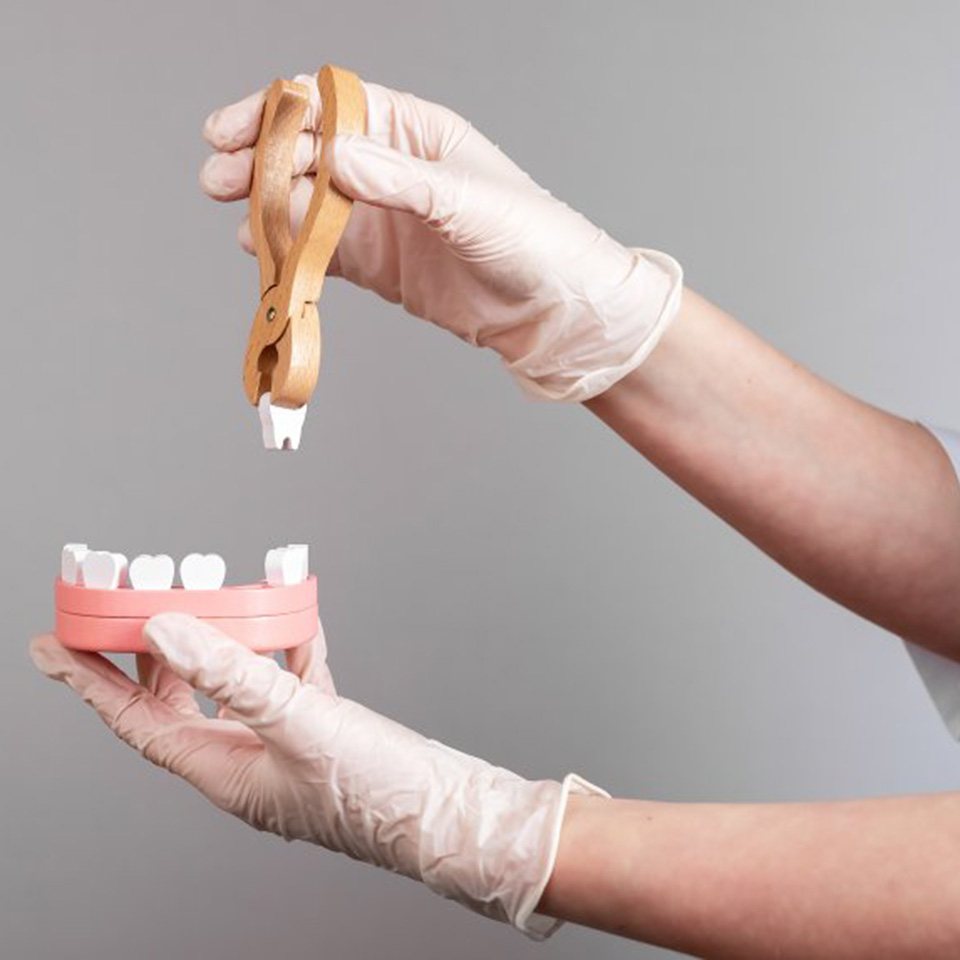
x: 283, y: 351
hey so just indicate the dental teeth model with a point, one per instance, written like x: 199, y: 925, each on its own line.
x: 151, y: 573
x: 202, y: 572
x: 103, y: 602
x: 71, y: 562
x: 102, y: 570
x: 286, y: 565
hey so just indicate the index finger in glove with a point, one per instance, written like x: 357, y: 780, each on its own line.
x: 227, y: 176
x: 395, y: 119
x: 237, y: 124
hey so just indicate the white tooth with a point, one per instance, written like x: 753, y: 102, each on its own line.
x: 151, y: 573
x: 200, y: 571
x: 282, y: 567
x: 71, y: 562
x: 103, y: 570
x: 281, y: 426
x: 302, y: 550
x: 273, y: 566
x: 124, y: 569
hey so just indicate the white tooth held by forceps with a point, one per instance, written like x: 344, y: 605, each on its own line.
x: 151, y: 572
x: 202, y: 571
x: 285, y: 566
x: 71, y: 562
x: 281, y: 426
x: 103, y: 570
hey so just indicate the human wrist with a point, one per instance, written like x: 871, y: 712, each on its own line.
x: 669, y: 407
x: 580, y: 813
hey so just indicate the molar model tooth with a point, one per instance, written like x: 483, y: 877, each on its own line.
x: 285, y: 566
x: 302, y: 550
x: 71, y: 563
x: 202, y: 571
x: 151, y: 572
x: 281, y: 426
x: 103, y: 570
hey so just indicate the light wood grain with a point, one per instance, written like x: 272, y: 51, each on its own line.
x: 283, y: 351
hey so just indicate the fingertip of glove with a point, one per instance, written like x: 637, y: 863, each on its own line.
x: 210, y: 128
x: 188, y: 645
x: 47, y: 655
x: 166, y: 635
x: 208, y: 183
x: 235, y: 125
x: 219, y: 129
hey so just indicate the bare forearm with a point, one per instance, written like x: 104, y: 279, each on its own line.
x: 862, y: 505
x: 867, y: 879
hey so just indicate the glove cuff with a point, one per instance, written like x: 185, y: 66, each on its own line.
x: 538, y: 926
x: 491, y: 843
x: 579, y: 356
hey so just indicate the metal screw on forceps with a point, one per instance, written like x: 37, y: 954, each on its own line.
x: 283, y: 352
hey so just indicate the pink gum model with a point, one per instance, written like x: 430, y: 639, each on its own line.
x: 260, y: 616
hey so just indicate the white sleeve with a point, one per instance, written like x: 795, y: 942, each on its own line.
x: 940, y: 675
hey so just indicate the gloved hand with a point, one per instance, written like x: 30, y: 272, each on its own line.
x: 451, y: 228
x: 293, y: 758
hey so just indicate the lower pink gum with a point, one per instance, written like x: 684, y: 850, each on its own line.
x: 261, y: 617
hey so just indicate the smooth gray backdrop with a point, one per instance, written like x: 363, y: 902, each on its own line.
x: 506, y: 576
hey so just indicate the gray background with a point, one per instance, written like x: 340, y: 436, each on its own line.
x: 506, y: 576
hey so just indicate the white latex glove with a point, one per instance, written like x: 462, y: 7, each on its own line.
x: 297, y: 760
x: 451, y: 228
